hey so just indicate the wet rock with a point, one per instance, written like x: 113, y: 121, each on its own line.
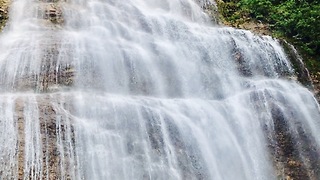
x: 292, y: 148
x: 242, y: 66
x: 301, y: 71
x: 316, y: 84
x: 4, y: 15
x: 46, y: 81
x: 53, y: 13
x: 54, y: 134
x: 285, y: 153
x: 210, y: 7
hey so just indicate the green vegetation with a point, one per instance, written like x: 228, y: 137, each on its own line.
x: 298, y: 21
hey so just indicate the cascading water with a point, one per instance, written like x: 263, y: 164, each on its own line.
x: 146, y: 89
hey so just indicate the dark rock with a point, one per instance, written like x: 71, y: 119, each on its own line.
x: 301, y: 71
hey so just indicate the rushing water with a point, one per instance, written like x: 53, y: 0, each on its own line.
x: 142, y: 89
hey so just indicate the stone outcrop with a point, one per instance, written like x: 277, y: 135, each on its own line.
x: 52, y: 12
x: 315, y: 77
x: 301, y: 71
x: 295, y: 155
x: 4, y: 8
x: 311, y: 80
x: 293, y: 150
x: 56, y: 139
x: 52, y: 74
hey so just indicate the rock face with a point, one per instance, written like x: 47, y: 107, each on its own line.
x: 46, y: 75
x: 39, y: 119
x: 302, y: 73
x: 295, y: 154
x: 52, y: 132
x: 309, y: 80
x: 256, y: 27
x: 4, y: 6
x: 210, y: 7
x: 316, y: 84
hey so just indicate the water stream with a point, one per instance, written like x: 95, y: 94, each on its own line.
x: 143, y: 89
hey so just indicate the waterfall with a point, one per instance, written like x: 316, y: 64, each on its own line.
x: 147, y: 89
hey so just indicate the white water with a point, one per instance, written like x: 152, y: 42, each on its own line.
x: 156, y: 94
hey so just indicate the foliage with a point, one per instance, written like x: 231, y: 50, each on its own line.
x: 296, y: 20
